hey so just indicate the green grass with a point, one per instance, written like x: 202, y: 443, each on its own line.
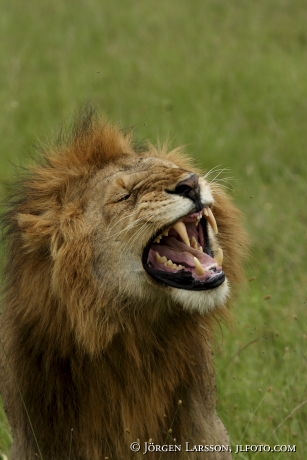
x: 228, y: 80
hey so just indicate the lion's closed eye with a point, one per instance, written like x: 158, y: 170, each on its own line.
x: 124, y: 197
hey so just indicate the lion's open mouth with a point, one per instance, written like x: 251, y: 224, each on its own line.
x: 181, y: 255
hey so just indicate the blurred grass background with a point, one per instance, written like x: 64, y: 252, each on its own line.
x: 228, y: 80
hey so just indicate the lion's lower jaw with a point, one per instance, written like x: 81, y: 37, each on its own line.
x: 202, y: 301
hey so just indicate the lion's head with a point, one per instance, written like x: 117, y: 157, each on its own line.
x: 108, y: 231
x: 156, y: 234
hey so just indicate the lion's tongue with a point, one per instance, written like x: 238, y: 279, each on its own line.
x: 181, y: 254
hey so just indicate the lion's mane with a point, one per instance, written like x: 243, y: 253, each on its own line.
x: 90, y: 365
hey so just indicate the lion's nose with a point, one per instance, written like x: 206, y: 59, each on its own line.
x: 189, y: 188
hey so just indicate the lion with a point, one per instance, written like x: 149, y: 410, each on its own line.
x: 120, y: 261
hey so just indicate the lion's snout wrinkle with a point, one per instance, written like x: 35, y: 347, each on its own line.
x: 97, y: 351
x: 189, y: 188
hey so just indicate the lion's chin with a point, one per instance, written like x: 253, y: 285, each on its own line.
x: 201, y: 301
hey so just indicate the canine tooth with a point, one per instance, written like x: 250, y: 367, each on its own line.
x: 193, y: 242
x: 195, y: 245
x: 219, y: 256
x: 205, y: 212
x: 165, y: 233
x: 212, y: 221
x: 198, y: 267
x: 182, y: 231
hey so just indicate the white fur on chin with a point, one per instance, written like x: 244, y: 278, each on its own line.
x: 202, y: 301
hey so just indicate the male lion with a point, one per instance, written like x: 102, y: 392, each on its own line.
x: 113, y: 279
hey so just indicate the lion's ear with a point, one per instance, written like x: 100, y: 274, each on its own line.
x: 36, y: 230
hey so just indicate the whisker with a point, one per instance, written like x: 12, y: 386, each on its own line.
x: 135, y: 236
x: 114, y: 225
x: 214, y: 174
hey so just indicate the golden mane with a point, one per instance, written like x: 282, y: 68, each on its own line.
x: 93, y: 360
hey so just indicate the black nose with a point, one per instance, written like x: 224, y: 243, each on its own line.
x: 189, y: 188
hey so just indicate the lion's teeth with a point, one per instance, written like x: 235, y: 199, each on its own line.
x: 194, y: 242
x: 199, y: 269
x: 205, y: 212
x: 167, y: 262
x: 160, y: 236
x: 198, y: 219
x: 211, y: 219
x: 218, y: 256
x: 160, y: 259
x: 182, y: 232
x: 195, y: 245
x: 158, y: 239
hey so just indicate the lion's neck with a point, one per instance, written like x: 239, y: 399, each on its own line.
x: 142, y: 385
x: 145, y: 374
